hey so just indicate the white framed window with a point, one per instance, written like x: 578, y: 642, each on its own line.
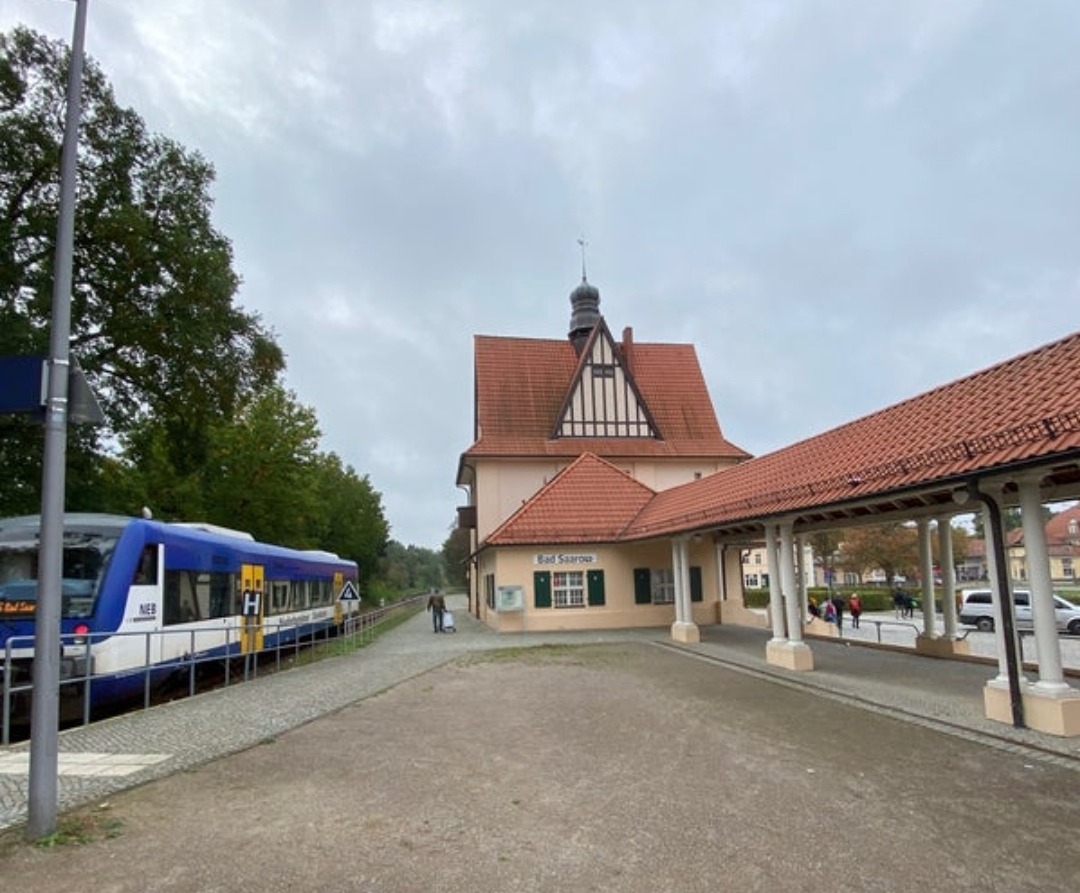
x: 750, y: 581
x: 663, y: 586
x: 568, y: 589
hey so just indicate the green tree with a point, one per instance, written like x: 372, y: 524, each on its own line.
x: 455, y: 556
x: 351, y: 521
x: 892, y: 548
x: 189, y: 382
x: 260, y: 472
x: 825, y: 545
x: 153, y: 322
x: 412, y: 568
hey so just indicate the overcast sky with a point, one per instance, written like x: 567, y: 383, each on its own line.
x: 841, y: 204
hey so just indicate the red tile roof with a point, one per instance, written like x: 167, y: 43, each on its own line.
x: 589, y: 501
x: 521, y: 384
x: 1061, y: 539
x: 1019, y: 411
x: 1062, y: 527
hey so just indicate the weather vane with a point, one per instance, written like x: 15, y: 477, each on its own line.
x: 583, y: 245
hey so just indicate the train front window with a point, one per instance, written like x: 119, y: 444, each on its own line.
x: 84, y: 559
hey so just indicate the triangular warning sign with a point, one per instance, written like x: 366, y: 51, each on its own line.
x: 348, y: 593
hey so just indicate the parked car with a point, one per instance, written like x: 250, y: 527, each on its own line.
x: 977, y: 609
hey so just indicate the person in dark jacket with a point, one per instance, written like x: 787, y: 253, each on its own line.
x: 436, y: 604
x: 838, y: 604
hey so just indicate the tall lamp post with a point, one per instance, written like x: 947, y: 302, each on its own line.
x: 46, y: 674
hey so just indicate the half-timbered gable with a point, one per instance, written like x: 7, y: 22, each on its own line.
x: 603, y: 399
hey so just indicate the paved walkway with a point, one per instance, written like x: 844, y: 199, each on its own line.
x: 130, y: 750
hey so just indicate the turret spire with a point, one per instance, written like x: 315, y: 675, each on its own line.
x: 584, y: 306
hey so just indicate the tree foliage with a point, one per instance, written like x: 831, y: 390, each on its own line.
x: 825, y: 547
x: 455, y: 555
x: 892, y: 548
x: 199, y: 426
x: 350, y: 515
x: 412, y: 568
x: 153, y: 323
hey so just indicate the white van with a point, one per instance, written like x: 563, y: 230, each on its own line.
x: 977, y: 609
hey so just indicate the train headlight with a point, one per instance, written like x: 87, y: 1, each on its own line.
x: 82, y: 631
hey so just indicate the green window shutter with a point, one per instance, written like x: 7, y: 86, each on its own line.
x: 642, y: 586
x: 596, y: 587
x: 542, y: 589
x: 696, y: 592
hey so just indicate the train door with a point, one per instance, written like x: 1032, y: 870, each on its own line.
x: 339, y: 608
x: 252, y: 608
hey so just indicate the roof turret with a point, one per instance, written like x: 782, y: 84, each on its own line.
x: 584, y: 307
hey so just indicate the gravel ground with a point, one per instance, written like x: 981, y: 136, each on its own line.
x: 618, y: 767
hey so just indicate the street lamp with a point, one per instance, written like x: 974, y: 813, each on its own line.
x: 45, y: 704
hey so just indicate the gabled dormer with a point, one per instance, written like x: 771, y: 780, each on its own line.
x: 603, y: 400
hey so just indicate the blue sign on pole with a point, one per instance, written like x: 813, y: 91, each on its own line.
x: 21, y: 384
x: 24, y: 387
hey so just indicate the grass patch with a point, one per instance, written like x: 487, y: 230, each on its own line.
x: 76, y: 829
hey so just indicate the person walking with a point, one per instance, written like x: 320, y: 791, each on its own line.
x: 855, y: 607
x: 838, y: 605
x: 436, y: 604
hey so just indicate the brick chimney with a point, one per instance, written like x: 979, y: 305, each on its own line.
x: 627, y: 345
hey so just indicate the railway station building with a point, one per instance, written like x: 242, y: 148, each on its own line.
x: 604, y: 494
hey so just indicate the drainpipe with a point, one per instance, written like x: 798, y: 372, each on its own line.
x: 1012, y: 666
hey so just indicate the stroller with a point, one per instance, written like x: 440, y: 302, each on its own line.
x: 448, y: 622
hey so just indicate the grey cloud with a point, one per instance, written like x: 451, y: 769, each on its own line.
x: 841, y: 204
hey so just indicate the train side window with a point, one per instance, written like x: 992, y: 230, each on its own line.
x: 299, y: 594
x: 146, y: 574
x: 219, y: 592
x: 170, y: 601
x: 279, y: 596
x: 180, y: 603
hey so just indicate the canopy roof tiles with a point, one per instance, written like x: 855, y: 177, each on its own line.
x: 1023, y: 411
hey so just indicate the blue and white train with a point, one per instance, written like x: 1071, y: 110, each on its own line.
x: 142, y: 599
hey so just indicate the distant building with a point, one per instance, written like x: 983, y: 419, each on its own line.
x: 1062, y: 546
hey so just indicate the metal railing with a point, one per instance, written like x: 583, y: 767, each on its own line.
x: 205, y: 648
x: 908, y: 631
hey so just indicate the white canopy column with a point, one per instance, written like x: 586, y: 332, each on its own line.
x: 683, y: 629
x: 1047, y: 644
x: 792, y: 653
x: 800, y: 574
x: 776, y: 602
x: 948, y: 576
x: 929, y: 642
x: 926, y: 571
x: 788, y: 583
x: 1049, y: 705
